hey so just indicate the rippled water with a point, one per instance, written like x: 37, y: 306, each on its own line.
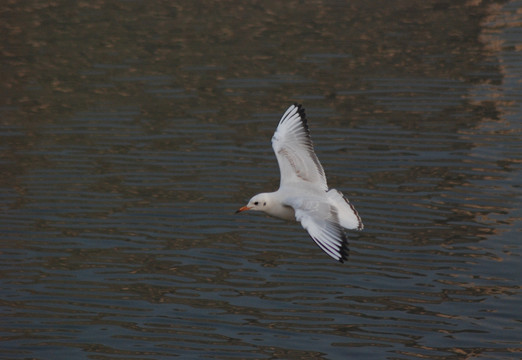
x: 132, y: 131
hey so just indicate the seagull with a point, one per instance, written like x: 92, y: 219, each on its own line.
x: 303, y: 193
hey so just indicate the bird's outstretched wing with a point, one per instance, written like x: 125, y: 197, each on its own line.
x: 321, y: 221
x: 295, y: 152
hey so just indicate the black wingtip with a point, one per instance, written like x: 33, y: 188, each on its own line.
x: 302, y: 114
x: 345, y: 252
x: 300, y: 110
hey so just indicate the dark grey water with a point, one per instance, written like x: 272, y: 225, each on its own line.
x: 131, y: 131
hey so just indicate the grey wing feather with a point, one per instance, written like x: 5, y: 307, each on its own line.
x: 321, y: 221
x: 294, y: 150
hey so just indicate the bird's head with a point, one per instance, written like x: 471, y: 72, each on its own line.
x: 257, y: 203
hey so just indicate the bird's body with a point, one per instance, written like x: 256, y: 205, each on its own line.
x: 303, y: 193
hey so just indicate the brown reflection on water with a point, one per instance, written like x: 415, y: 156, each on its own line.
x: 61, y: 58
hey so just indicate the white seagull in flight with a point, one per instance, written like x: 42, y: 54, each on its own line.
x: 303, y: 194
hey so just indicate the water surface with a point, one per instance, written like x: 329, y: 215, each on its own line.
x: 131, y: 132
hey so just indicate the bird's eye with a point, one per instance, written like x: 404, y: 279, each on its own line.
x: 256, y: 203
x: 264, y: 204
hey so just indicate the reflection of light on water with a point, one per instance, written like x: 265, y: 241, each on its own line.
x: 501, y: 34
x: 500, y: 105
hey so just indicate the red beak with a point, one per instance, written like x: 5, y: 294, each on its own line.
x: 244, y: 208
